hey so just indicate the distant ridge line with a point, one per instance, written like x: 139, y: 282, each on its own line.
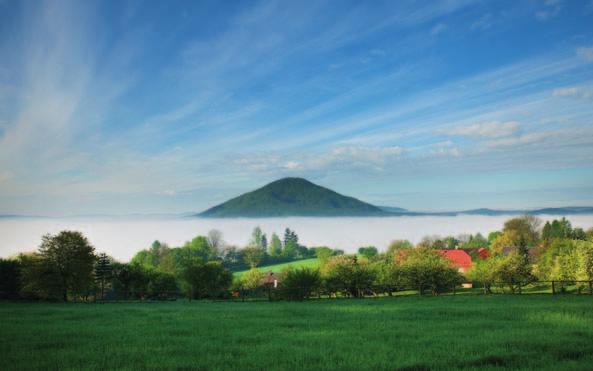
x: 299, y: 197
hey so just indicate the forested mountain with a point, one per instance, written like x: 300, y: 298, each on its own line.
x: 292, y: 197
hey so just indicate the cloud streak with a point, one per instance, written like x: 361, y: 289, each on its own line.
x: 492, y: 129
x: 144, y: 108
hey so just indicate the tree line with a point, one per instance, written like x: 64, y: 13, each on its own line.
x: 67, y: 267
x: 523, y: 252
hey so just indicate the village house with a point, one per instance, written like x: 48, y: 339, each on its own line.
x: 480, y: 253
x: 483, y: 253
x: 271, y: 279
x: 458, y: 258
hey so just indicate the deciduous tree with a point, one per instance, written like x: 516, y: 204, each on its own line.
x: 71, y: 257
x: 257, y: 238
x: 215, y: 242
x: 396, y: 247
x: 512, y: 271
x: 103, y: 272
x: 349, y: 274
x: 520, y: 233
x: 162, y: 285
x: 122, y: 279
x: 275, y: 249
x: 368, y: 252
x: 426, y: 269
x: 323, y: 253
x: 483, y: 272
x: 10, y: 278
x: 299, y: 283
x: 252, y: 279
x: 252, y: 256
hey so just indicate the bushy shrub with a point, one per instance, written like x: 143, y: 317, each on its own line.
x: 548, y: 258
x: 252, y: 279
x: 483, y: 272
x: 205, y: 280
x: 10, y: 279
x: 584, y: 270
x: 426, y: 269
x: 348, y: 274
x: 585, y: 256
x: 323, y: 254
x: 389, y: 275
x: 566, y: 260
x: 397, y: 246
x: 368, y: 252
x: 513, y: 271
x: 299, y: 283
x: 122, y: 280
x: 162, y: 285
x: 39, y: 280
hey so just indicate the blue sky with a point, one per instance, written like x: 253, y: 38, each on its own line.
x: 141, y: 107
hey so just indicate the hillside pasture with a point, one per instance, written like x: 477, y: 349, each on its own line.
x: 406, y: 333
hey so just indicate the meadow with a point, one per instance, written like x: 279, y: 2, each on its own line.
x: 406, y: 333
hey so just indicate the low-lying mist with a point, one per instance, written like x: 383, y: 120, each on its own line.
x: 123, y: 237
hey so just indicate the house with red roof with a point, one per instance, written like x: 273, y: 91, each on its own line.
x: 483, y: 253
x: 458, y: 258
x: 271, y: 279
x: 480, y: 253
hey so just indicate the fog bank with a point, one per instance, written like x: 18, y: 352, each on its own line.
x: 123, y: 237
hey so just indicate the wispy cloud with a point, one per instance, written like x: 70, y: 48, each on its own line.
x: 492, y: 129
x: 445, y: 148
x: 585, y: 52
x: 550, y: 9
x: 566, y: 92
x: 582, y: 91
x: 483, y: 23
x: 130, y: 105
x: 353, y: 157
x: 520, y: 139
x: 438, y: 28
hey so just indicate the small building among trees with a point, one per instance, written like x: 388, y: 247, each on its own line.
x: 271, y: 279
x: 458, y: 258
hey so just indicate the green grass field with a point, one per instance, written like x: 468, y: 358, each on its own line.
x: 310, y: 263
x: 411, y: 333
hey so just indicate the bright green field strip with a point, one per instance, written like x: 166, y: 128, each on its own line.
x: 453, y: 332
x: 311, y: 263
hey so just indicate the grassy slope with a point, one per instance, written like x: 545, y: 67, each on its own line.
x: 529, y: 332
x: 311, y: 263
